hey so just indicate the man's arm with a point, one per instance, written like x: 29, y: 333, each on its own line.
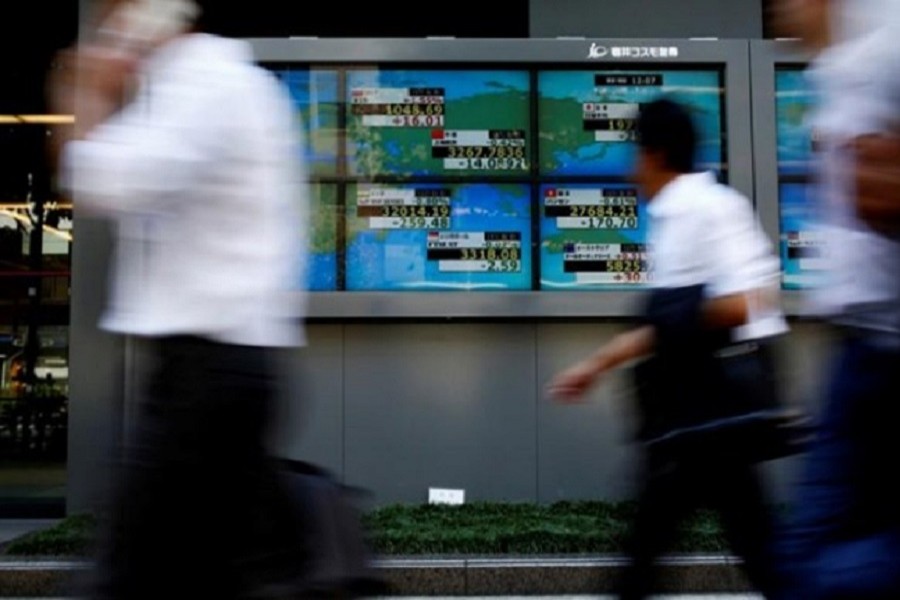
x: 726, y: 312
x: 89, y: 84
x: 877, y: 172
x: 123, y: 159
x: 571, y: 384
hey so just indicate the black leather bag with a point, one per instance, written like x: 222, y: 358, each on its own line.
x: 699, y: 395
x: 337, y: 560
x: 750, y: 422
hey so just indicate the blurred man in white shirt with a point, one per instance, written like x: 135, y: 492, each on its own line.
x: 843, y: 539
x: 193, y: 151
x: 714, y: 305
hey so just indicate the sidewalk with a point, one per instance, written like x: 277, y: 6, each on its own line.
x: 429, y: 576
x: 474, y: 576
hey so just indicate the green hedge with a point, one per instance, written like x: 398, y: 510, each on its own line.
x: 470, y: 529
x: 70, y: 537
x: 489, y: 528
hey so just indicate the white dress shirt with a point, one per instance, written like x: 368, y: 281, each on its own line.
x: 203, y: 175
x: 702, y: 232
x: 858, y: 83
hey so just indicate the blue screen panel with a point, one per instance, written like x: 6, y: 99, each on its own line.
x: 432, y: 123
x: 315, y: 94
x: 592, y: 237
x: 587, y: 118
x: 438, y: 237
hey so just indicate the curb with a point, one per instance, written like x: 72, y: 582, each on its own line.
x: 472, y: 576
x: 37, y: 578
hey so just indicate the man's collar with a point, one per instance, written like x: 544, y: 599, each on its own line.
x: 669, y: 200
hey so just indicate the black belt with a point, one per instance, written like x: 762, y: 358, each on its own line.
x: 737, y: 349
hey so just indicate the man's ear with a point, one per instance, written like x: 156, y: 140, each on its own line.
x: 655, y: 159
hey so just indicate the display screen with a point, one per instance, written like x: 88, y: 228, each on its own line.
x: 592, y: 236
x: 587, y: 118
x: 486, y: 179
x: 793, y: 101
x: 315, y: 94
x: 438, y: 237
x: 323, y: 257
x: 801, y: 242
x: 437, y: 123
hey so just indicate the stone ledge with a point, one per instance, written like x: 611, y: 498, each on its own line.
x: 458, y: 576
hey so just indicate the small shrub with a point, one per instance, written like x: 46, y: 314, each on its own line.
x: 480, y: 528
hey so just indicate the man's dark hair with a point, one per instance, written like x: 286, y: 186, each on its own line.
x: 666, y: 127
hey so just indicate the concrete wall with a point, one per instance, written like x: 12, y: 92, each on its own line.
x: 398, y: 408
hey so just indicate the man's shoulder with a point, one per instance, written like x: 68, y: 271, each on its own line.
x: 225, y: 70
x: 219, y: 61
x: 860, y: 80
x: 716, y: 203
x: 710, y: 195
x: 724, y: 196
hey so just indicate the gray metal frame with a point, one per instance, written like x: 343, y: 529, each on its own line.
x: 764, y: 58
x: 732, y: 54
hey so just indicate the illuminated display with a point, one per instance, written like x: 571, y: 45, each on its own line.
x: 323, y: 211
x: 592, y: 208
x: 399, y: 208
x: 480, y: 150
x: 438, y: 237
x: 455, y: 179
x: 793, y: 101
x: 398, y: 107
x: 587, y: 118
x: 315, y: 94
x: 476, y: 252
x: 592, y: 237
x: 802, y: 241
x: 438, y: 122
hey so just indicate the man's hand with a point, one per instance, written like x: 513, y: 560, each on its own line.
x: 570, y: 385
x: 878, y: 181
x: 91, y: 82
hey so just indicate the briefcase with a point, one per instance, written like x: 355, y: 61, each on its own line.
x: 336, y: 553
x: 736, y: 412
x: 700, y: 394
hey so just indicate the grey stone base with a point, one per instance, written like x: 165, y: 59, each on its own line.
x: 452, y: 576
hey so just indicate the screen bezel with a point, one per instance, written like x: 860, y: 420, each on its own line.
x: 766, y: 58
x: 729, y: 56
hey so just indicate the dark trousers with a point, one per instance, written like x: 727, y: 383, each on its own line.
x: 672, y: 488
x: 199, y: 510
x: 843, y: 537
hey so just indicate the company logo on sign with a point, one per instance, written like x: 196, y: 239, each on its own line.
x: 597, y: 51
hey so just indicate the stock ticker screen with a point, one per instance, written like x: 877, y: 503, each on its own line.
x: 485, y: 180
x: 801, y: 240
x: 438, y: 123
x: 322, y: 267
x: 587, y: 118
x: 793, y: 101
x: 593, y: 235
x: 439, y: 237
x: 415, y: 125
x: 315, y: 96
